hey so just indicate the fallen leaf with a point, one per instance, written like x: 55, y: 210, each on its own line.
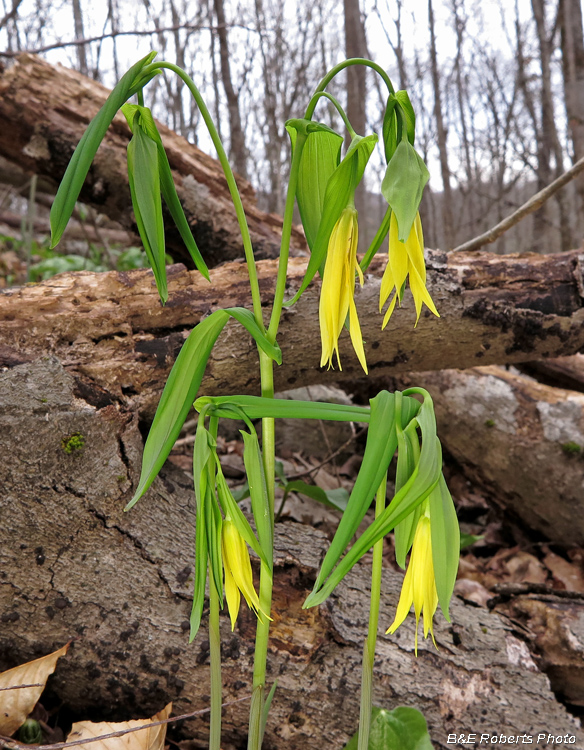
x: 151, y: 738
x: 523, y: 567
x: 472, y: 591
x: 567, y: 573
x: 17, y: 703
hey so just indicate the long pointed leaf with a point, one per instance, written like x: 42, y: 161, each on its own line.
x: 78, y: 167
x: 257, y: 407
x: 445, y: 543
x: 254, y: 469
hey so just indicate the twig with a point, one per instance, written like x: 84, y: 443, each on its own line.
x: 531, y: 205
x: 19, y: 687
x: 315, y: 468
x: 9, y: 743
x: 508, y: 590
x: 114, y: 34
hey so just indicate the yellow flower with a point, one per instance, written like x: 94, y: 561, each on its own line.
x: 238, y: 575
x: 405, y: 258
x: 419, y: 586
x: 338, y: 290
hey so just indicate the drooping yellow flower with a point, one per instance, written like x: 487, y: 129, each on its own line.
x: 419, y: 586
x: 338, y: 290
x: 405, y: 259
x: 238, y: 575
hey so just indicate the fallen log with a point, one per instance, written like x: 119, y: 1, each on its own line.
x: 73, y: 565
x: 44, y: 111
x: 110, y: 331
x: 522, y: 439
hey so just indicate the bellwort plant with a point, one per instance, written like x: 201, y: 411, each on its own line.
x: 322, y: 184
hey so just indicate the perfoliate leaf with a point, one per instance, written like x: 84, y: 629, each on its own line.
x: 19, y: 702
x: 214, y: 523
x: 144, y: 180
x: 320, y: 157
x: 445, y: 543
x: 404, y: 728
x: 257, y: 407
x: 78, y: 167
x: 150, y: 738
x: 377, y: 241
x: 403, y: 185
x: 423, y: 480
x: 390, y: 128
x: 379, y: 449
x: 182, y: 386
x: 260, y: 506
x: 340, y: 188
x: 408, y: 455
x: 167, y: 186
x: 408, y: 111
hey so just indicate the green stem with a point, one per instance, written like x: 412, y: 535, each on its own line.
x: 370, y: 643
x: 234, y: 192
x: 340, y: 110
x: 216, y: 686
x: 285, y: 244
x: 337, y: 69
x: 265, y: 593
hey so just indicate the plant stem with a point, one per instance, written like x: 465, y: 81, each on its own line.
x: 234, y: 192
x: 337, y: 69
x: 370, y: 643
x: 216, y: 686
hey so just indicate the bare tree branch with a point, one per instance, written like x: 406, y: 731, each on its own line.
x: 114, y: 34
x: 531, y: 205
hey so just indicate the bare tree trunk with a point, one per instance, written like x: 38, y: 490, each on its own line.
x: 356, y: 46
x: 237, y: 149
x: 550, y: 142
x: 448, y: 225
x: 79, y: 34
x: 572, y: 43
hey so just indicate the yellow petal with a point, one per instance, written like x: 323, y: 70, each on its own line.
x: 421, y: 295
x: 398, y: 256
x: 390, y: 309
x: 356, y: 337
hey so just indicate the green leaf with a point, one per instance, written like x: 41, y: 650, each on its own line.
x: 403, y: 185
x: 445, y: 543
x: 320, y: 158
x: 257, y: 407
x: 182, y: 386
x: 467, y: 539
x: 167, y: 183
x: 408, y: 113
x: 266, y: 710
x: 379, y: 449
x: 339, y: 192
x: 407, y: 460
x: 404, y: 728
x: 390, y: 128
x: 260, y: 505
x: 214, y: 523
x: 78, y: 167
x: 234, y: 512
x: 423, y: 480
x: 144, y: 180
x: 337, y: 499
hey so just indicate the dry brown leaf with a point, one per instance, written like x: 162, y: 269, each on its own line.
x: 16, y: 704
x: 151, y: 738
x: 472, y: 591
x: 567, y: 573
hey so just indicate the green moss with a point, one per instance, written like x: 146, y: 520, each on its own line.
x: 72, y: 443
x: 489, y: 423
x: 571, y: 448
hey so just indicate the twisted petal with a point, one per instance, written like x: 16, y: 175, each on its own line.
x: 238, y: 575
x: 338, y: 290
x: 419, y: 586
x: 405, y: 259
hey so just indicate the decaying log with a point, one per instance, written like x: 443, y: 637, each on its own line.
x: 44, y: 111
x: 72, y: 564
x: 522, y: 438
x: 565, y: 372
x: 110, y: 329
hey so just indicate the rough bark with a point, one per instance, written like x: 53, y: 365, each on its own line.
x: 74, y: 565
x: 110, y: 330
x: 523, y: 439
x: 44, y: 111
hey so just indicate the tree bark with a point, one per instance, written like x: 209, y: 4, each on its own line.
x: 110, y: 330
x: 73, y: 565
x: 45, y: 110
